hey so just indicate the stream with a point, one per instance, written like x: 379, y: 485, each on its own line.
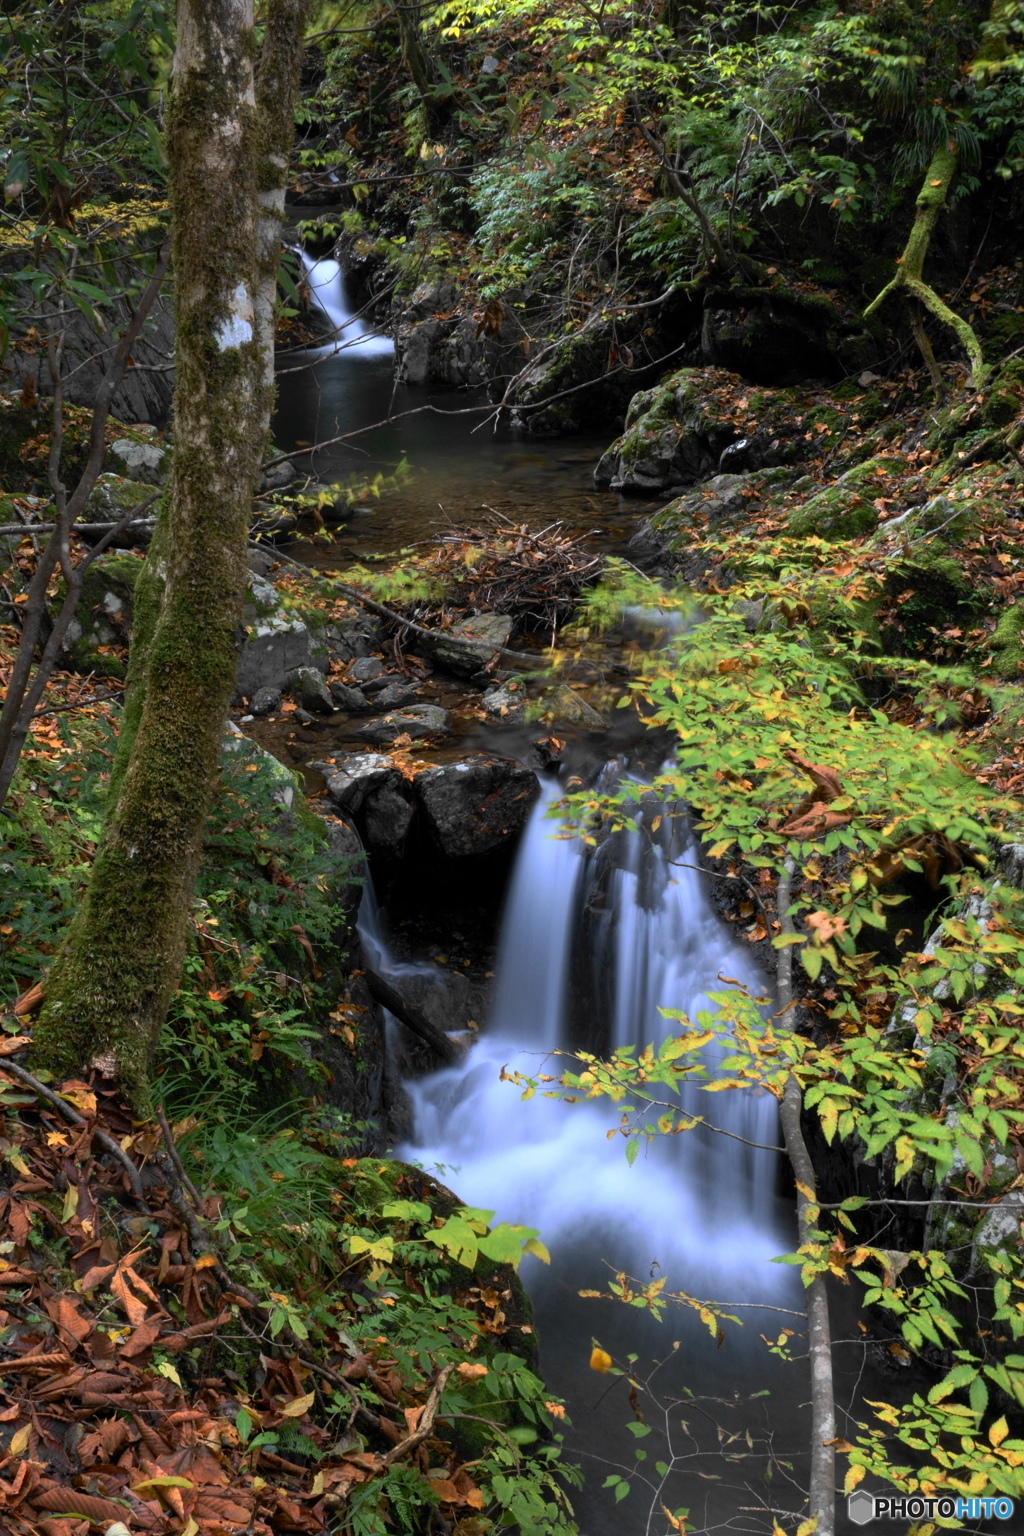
x: 592, y: 944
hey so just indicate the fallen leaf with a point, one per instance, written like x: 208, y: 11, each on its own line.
x: 298, y: 1406
x: 471, y: 1370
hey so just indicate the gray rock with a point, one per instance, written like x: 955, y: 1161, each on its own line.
x: 304, y: 717
x: 472, y: 645
x: 417, y: 720
x: 270, y: 649
x: 145, y: 462
x: 396, y: 694
x: 354, y: 641
x: 349, y: 856
x: 265, y: 701
x: 369, y: 788
x: 506, y: 702
x: 568, y: 707
x: 477, y: 804
x: 307, y: 687
x: 366, y: 670
x: 351, y: 699
x: 278, y: 476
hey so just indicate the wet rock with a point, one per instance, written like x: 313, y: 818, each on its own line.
x: 278, y: 476
x: 355, y: 640
x: 506, y: 703
x: 397, y: 694
x: 477, y: 804
x: 467, y: 647
x: 351, y: 699
x: 367, y: 671
x: 307, y: 687
x: 349, y: 860
x: 369, y: 788
x: 417, y: 721
x: 143, y: 462
x: 567, y: 707
x: 265, y: 701
x: 303, y: 717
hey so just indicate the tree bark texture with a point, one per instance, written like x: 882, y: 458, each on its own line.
x: 113, y: 979
x: 822, y: 1490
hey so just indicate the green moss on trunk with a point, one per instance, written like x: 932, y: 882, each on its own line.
x: 119, y: 966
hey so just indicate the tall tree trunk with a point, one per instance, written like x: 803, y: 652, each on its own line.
x: 114, y: 976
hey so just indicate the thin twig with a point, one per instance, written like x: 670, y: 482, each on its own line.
x: 75, y: 1118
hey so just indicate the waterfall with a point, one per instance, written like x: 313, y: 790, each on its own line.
x: 594, y: 943
x: 326, y: 283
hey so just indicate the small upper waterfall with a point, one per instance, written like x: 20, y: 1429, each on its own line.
x: 326, y: 282
x: 594, y: 943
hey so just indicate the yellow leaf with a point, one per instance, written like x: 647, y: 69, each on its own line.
x: 191, y: 1528
x: 854, y: 1476
x: 600, y: 1360
x: 70, y: 1205
x: 167, y: 1370
x: 999, y: 1431
x: 56, y: 1139
x: 318, y: 1485
x: 807, y: 1527
x: 298, y: 1406
x: 153, y: 1485
x: 537, y: 1248
x: 19, y: 1441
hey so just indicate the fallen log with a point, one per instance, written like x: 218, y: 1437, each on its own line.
x: 391, y: 999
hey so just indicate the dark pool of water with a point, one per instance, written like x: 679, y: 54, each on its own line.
x: 460, y: 462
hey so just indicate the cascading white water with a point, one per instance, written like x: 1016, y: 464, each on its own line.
x: 326, y: 282
x: 699, y: 1204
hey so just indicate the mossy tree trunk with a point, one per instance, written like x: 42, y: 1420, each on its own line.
x: 992, y: 55
x: 112, y: 981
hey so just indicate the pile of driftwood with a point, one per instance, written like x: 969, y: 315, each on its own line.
x: 534, y: 577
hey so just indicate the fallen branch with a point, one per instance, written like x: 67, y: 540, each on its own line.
x: 523, y: 658
x: 426, y: 1423
x: 105, y: 1141
x: 411, y: 1017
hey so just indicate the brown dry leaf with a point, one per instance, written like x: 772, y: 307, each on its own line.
x: 825, y: 926
x: 11, y: 1043
x: 132, y: 1306
x: 144, y: 1337
x: 472, y: 1370
x: 63, y: 1311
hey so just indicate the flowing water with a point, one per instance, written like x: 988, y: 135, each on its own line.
x: 594, y: 943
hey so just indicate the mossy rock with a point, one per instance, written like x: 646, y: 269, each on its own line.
x: 941, y: 595
x: 1005, y: 397
x: 1007, y: 643
x: 844, y: 510
x: 113, y: 497
x: 104, y: 615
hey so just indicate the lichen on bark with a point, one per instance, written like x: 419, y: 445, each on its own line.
x: 113, y: 978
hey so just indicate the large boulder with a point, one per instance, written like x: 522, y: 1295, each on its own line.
x: 416, y: 721
x: 467, y: 807
x: 273, y: 643
x: 370, y: 789
x: 465, y: 648
x: 696, y: 422
x: 476, y: 805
